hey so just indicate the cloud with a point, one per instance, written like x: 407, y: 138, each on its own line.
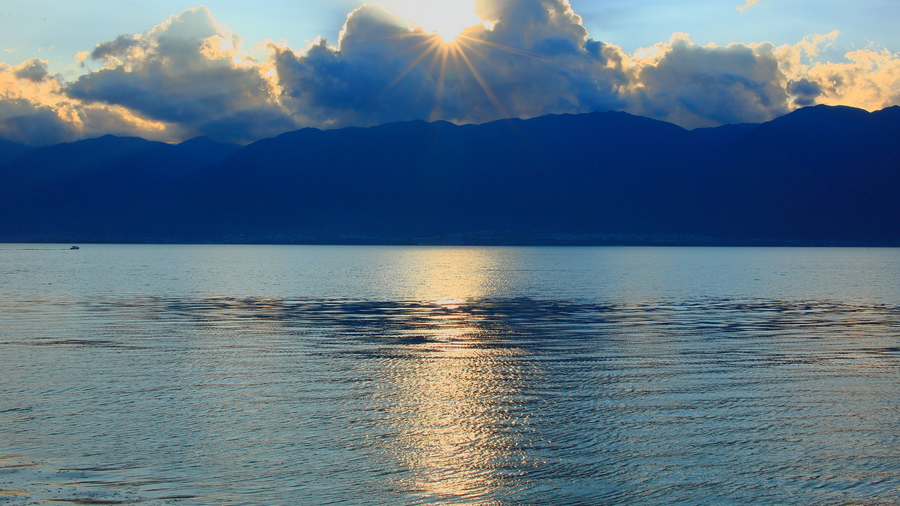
x: 804, y: 92
x: 190, y: 72
x: 191, y: 75
x: 750, y: 3
x: 534, y: 59
x: 869, y: 78
x: 110, y: 49
x: 24, y: 121
x: 565, y: 72
x: 696, y: 86
x: 33, y: 70
x: 355, y: 83
x: 35, y: 110
x: 26, y: 109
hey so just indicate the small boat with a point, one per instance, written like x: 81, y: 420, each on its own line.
x: 74, y: 247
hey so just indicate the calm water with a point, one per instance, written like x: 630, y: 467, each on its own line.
x: 286, y: 375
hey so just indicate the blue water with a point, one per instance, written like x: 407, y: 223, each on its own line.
x: 270, y: 375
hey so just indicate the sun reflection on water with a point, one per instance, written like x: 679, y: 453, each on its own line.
x: 385, y: 375
x: 453, y: 424
x: 454, y: 390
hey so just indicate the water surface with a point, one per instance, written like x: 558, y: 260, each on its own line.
x: 427, y: 375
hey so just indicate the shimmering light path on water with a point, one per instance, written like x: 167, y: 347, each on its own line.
x: 318, y: 375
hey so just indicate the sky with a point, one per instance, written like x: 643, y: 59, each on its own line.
x: 239, y: 71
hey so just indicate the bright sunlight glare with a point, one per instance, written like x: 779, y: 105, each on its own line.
x: 446, y: 18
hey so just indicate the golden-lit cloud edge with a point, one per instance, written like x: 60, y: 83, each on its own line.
x: 192, y: 75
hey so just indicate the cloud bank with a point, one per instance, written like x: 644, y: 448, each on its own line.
x: 191, y: 75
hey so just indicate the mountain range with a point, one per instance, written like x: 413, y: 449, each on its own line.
x: 818, y: 176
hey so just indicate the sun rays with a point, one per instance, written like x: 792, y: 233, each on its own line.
x: 447, y: 28
x: 458, y: 56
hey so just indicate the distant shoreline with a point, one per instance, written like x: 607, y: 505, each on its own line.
x: 522, y: 242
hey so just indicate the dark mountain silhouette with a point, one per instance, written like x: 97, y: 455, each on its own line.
x: 822, y: 172
x: 407, y: 180
x: 206, y: 151
x: 820, y: 175
x: 9, y: 151
x: 96, y: 186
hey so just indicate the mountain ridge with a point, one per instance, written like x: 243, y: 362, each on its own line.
x: 820, y: 175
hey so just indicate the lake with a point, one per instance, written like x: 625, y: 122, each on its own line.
x: 292, y: 375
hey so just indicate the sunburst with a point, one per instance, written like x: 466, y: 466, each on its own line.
x: 457, y: 54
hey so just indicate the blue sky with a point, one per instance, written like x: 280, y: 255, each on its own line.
x: 56, y: 31
x: 240, y: 71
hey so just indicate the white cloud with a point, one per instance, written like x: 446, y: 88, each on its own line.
x: 696, y: 86
x: 35, y: 110
x: 191, y: 72
x: 191, y: 75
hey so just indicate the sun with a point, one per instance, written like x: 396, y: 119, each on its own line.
x: 447, y: 48
x: 445, y: 18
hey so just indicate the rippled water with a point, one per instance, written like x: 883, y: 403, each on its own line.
x: 382, y: 375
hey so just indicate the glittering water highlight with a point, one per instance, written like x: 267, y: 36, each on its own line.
x: 319, y: 375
